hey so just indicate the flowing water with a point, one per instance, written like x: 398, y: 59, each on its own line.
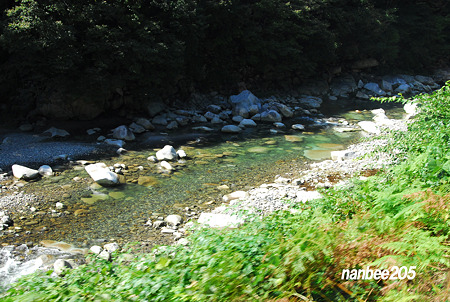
x: 216, y: 165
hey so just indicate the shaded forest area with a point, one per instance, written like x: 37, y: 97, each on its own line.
x: 160, y: 50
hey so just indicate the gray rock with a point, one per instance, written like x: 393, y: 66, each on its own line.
x: 136, y: 128
x: 270, y: 116
x: 155, y: 107
x: 214, y: 109
x: 55, y: 132
x: 403, y: 88
x: 172, y: 125
x: 92, y: 131
x: 101, y: 138
x: 101, y: 174
x: 158, y: 224
x: 373, y: 87
x: 362, y: 95
x: 182, y: 120
x: 298, y: 127
x: 199, y: 119
x: 279, y: 125
x: 385, y: 85
x: 231, y: 129
x: 160, y: 120
x: 224, y: 115
x: 311, y: 101
x: 237, y: 118
x: 123, y: 133
x: 45, y: 170
x: 216, y: 120
x: 244, y: 103
x: 203, y: 128
x: 114, y: 142
x: 425, y: 80
x: 285, y: 110
x: 167, y: 153
x: 209, y: 115
x: 24, y: 173
x: 145, y: 123
x: 342, y: 86
x: 173, y: 220
x: 247, y: 123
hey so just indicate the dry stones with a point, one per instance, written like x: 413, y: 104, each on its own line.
x: 25, y: 173
x: 100, y: 173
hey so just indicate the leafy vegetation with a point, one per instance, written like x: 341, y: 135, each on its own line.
x: 399, y: 217
x: 151, y: 50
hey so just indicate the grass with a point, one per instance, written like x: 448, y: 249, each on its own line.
x: 399, y: 217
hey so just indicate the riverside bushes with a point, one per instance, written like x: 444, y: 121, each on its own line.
x: 399, y: 217
x: 166, y: 49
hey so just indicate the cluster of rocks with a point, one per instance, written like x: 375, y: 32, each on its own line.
x: 105, y: 251
x: 171, y: 225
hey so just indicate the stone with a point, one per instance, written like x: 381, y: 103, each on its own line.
x: 362, y: 95
x: 270, y: 116
x: 209, y: 115
x: 370, y: 127
x: 105, y: 255
x: 101, y: 138
x: 342, y: 155
x: 237, y: 118
x: 123, y: 133
x: 244, y: 103
x: 425, y: 80
x: 183, y: 241
x: 115, y: 142
x: 45, y: 170
x: 219, y: 220
x: 152, y: 158
x: 285, y: 110
x: 247, y: 123
x: 385, y: 85
x: 182, y: 120
x: 304, y: 196
x: 158, y: 224
x: 216, y: 120
x: 155, y: 107
x: 373, y: 87
x: 235, y: 195
x: 279, y: 125
x: 203, y: 128
x: 172, y: 125
x: 342, y: 86
x: 60, y: 206
x: 136, y: 128
x: 224, y: 115
x: 199, y: 119
x: 96, y: 249
x: 181, y: 154
x: 145, y: 123
x: 55, y: 132
x: 111, y: 247
x: 231, y: 129
x: 403, y: 88
x: 92, y: 131
x: 298, y: 127
x: 214, y: 108
x: 100, y: 173
x: 311, y: 101
x: 160, y: 120
x: 411, y: 109
x: 167, y: 153
x: 166, y: 165
x: 146, y: 181
x: 22, y: 172
x: 165, y: 230
x: 60, y: 266
x: 26, y: 127
x: 173, y: 220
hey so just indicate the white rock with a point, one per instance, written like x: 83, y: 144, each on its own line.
x: 298, y: 127
x: 115, y: 142
x: 111, y: 247
x: 231, y: 129
x: 96, y: 249
x: 183, y: 241
x: 181, y: 154
x: 411, y: 109
x: 247, y: 123
x: 100, y: 173
x: 25, y: 173
x: 60, y: 266
x: 167, y: 153
x: 219, y: 220
x: 341, y: 155
x: 370, y: 127
x: 55, y: 132
x: 59, y: 206
x: 173, y: 220
x: 105, y: 255
x: 152, y: 158
x: 235, y: 195
x: 304, y: 196
x: 45, y: 170
x: 165, y: 230
x: 166, y: 165
x: 279, y: 125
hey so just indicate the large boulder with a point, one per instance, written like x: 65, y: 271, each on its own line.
x: 245, y: 104
x: 167, y: 153
x: 310, y: 101
x: 284, y: 110
x: 100, y: 173
x: 123, y: 133
x: 375, y: 89
x: 343, y: 86
x: 247, y: 123
x: 24, y: 173
x: 145, y: 123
